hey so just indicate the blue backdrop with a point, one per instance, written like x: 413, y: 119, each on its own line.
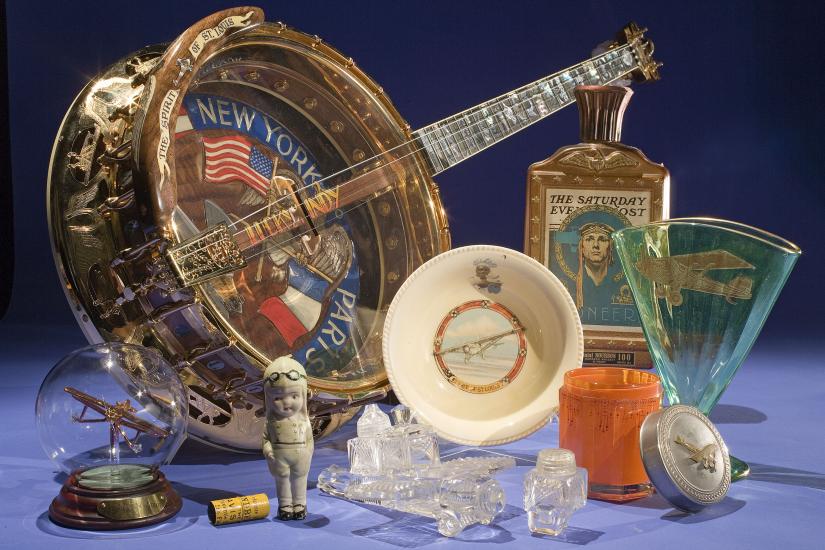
x: 737, y: 115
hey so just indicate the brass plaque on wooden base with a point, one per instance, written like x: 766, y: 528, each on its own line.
x: 114, y: 508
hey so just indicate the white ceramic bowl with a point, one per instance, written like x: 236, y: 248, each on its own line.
x: 490, y: 389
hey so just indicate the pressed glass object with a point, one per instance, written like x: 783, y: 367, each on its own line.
x: 399, y: 467
x: 553, y: 491
x: 381, y: 446
x: 365, y: 450
x: 601, y: 413
x: 456, y: 493
x: 704, y: 289
x: 419, y: 439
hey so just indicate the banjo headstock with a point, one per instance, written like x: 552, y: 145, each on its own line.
x: 642, y: 48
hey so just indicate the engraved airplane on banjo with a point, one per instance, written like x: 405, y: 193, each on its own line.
x: 478, y: 347
x: 672, y: 274
x: 120, y: 416
x: 706, y: 456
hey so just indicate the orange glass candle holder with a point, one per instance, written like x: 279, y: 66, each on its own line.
x: 601, y: 413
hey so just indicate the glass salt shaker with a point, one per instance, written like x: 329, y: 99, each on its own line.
x: 366, y: 449
x: 419, y: 439
x: 553, y: 490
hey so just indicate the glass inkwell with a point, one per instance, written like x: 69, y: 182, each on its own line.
x: 553, y: 491
x: 110, y: 416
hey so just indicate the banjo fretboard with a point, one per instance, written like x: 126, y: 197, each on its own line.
x: 450, y: 141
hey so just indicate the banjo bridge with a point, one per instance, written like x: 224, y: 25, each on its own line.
x: 209, y: 254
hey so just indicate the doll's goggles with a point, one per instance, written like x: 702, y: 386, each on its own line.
x: 293, y: 375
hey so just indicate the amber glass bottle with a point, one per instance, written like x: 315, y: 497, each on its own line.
x: 575, y: 199
x: 601, y: 411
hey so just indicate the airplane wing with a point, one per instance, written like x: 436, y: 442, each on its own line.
x: 705, y: 451
x: 681, y: 441
x: 706, y: 454
x: 490, y: 344
x: 131, y: 421
x: 714, y: 259
x: 481, y: 341
x: 487, y: 342
x: 706, y: 284
x: 740, y: 287
x: 497, y: 337
x: 451, y: 350
x: 92, y: 402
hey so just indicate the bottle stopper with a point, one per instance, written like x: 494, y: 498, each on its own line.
x: 373, y: 421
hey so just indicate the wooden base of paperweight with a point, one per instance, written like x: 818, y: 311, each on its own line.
x: 97, y: 509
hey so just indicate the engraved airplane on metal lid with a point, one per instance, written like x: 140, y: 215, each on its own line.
x: 688, y: 272
x: 706, y: 456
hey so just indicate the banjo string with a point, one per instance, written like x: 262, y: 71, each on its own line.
x: 412, y: 142
x: 437, y: 125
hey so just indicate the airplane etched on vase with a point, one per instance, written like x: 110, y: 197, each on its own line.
x: 673, y: 274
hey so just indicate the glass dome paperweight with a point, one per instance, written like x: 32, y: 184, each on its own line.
x: 110, y: 416
x: 703, y: 288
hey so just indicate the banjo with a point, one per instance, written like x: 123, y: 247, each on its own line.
x: 247, y: 192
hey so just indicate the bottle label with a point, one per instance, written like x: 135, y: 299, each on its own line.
x: 579, y: 250
x: 237, y: 509
x: 612, y: 358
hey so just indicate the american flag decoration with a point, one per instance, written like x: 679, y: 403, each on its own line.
x: 233, y: 158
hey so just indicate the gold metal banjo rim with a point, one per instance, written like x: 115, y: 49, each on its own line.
x: 340, y: 62
x: 330, y: 55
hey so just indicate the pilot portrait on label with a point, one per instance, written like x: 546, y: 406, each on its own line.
x: 595, y: 257
x: 585, y: 260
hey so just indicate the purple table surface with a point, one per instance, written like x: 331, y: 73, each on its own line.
x: 771, y: 416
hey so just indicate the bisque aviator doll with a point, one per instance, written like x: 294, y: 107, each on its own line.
x: 287, y: 442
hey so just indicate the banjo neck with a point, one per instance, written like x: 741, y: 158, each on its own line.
x: 458, y: 137
x: 219, y: 249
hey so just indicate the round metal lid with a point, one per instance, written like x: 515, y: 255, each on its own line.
x: 685, y: 457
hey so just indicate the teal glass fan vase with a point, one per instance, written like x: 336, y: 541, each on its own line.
x: 703, y: 289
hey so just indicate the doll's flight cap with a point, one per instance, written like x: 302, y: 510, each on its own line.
x: 284, y: 371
